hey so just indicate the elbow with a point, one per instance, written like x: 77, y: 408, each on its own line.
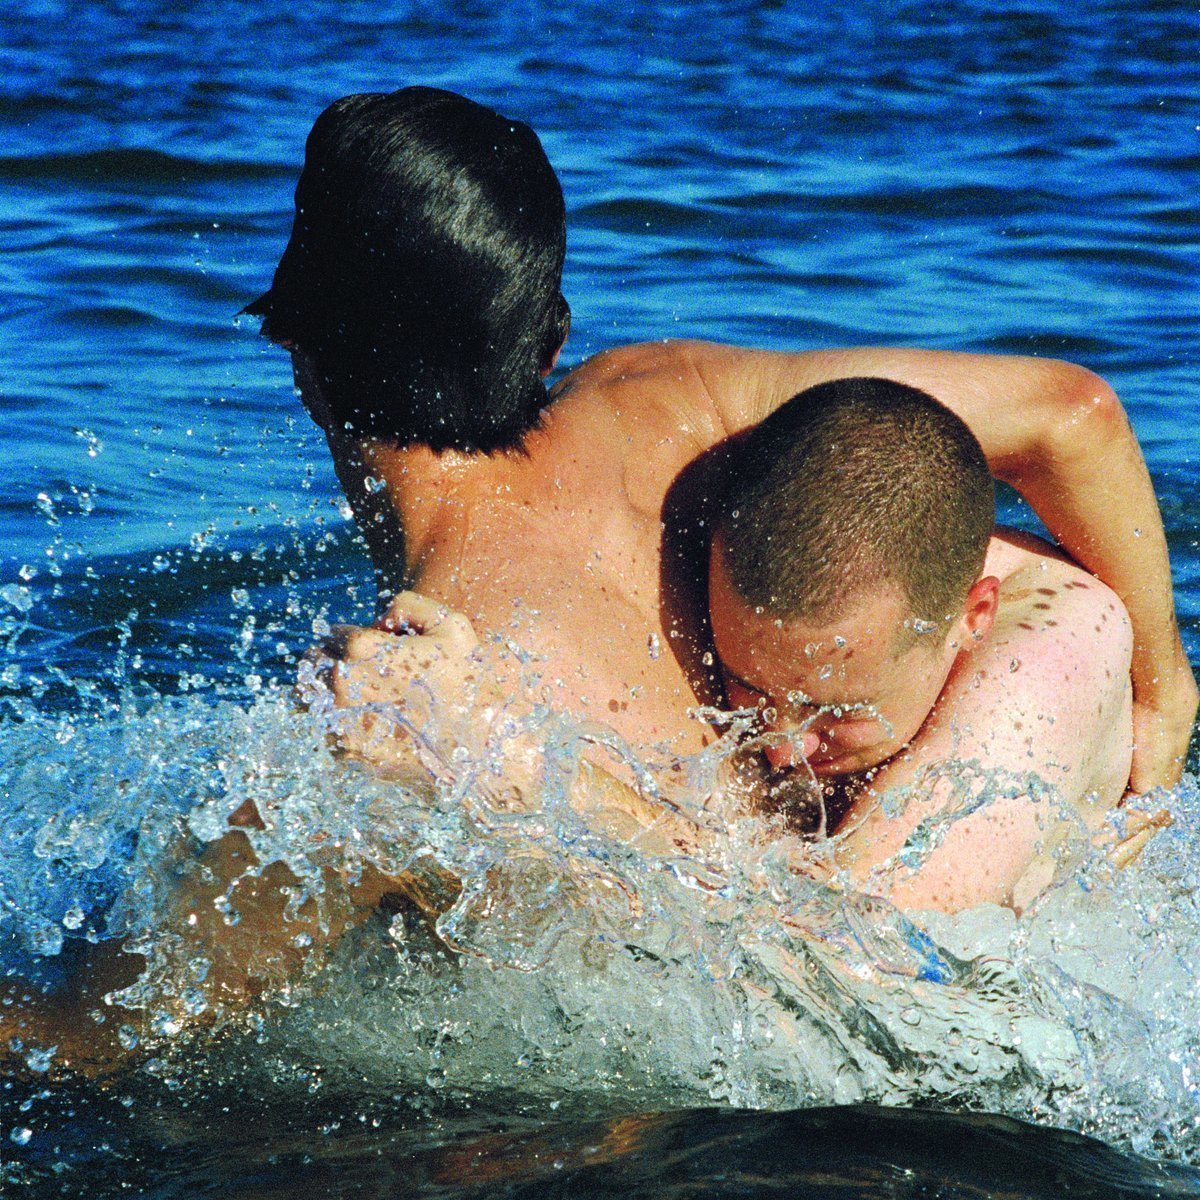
x: 1083, y: 414
x: 1075, y: 416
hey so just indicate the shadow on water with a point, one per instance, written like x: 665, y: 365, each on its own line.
x: 101, y: 1147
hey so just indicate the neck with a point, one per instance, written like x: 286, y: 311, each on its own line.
x: 409, y: 503
x: 413, y: 505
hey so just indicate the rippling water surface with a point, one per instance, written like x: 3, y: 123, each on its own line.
x: 172, y: 540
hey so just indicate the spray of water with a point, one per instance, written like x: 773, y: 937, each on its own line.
x: 531, y: 949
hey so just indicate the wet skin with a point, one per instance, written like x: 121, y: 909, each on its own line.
x: 1029, y: 681
x: 563, y: 549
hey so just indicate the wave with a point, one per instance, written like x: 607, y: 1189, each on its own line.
x: 136, y: 166
x: 565, y: 963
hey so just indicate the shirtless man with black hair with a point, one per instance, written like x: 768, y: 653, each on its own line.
x: 420, y: 298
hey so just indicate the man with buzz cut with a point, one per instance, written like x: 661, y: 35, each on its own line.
x: 897, y: 642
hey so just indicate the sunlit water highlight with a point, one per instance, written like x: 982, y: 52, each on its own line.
x: 577, y: 969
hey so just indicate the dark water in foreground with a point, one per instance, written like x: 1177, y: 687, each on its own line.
x: 171, y: 541
x: 867, y: 1153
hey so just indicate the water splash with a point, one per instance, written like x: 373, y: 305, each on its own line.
x: 560, y: 959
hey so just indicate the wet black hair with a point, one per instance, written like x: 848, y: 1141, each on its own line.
x: 852, y: 485
x: 423, y: 273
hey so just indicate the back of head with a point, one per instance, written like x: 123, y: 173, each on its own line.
x: 850, y: 487
x: 424, y: 268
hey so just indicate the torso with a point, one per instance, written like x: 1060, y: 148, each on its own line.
x: 562, y: 551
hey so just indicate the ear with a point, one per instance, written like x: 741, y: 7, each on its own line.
x: 550, y: 358
x: 308, y: 384
x: 980, y: 610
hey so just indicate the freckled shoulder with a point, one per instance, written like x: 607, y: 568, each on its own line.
x: 1043, y: 593
x: 1058, y: 661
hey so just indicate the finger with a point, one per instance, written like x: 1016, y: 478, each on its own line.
x: 1128, y: 850
x: 368, y: 659
x: 457, y: 631
x: 355, y: 643
x: 410, y: 612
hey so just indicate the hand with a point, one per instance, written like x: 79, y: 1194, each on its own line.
x: 1162, y: 728
x: 410, y: 685
x: 416, y: 641
x: 1138, y: 827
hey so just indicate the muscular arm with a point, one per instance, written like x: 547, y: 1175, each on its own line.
x: 1059, y: 435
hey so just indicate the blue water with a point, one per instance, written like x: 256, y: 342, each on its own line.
x: 789, y: 176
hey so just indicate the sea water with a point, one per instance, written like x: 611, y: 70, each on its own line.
x: 173, y: 541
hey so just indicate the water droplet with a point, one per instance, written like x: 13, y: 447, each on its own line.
x: 164, y: 1024
x: 654, y: 645
x: 48, y: 941
x: 94, y: 444
x: 46, y: 507
x: 825, y: 672
x: 40, y: 1060
x: 21, y: 1135
x: 73, y: 917
x: 707, y: 658
x: 194, y: 1001
x: 21, y: 598
x: 128, y: 1037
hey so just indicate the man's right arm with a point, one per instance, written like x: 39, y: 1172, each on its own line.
x: 1058, y: 434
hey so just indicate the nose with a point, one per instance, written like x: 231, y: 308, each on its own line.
x: 781, y: 753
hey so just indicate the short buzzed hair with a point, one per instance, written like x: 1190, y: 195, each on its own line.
x: 850, y: 486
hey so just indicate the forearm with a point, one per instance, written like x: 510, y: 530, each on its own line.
x: 1086, y: 478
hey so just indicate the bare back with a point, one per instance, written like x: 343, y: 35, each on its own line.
x: 561, y: 550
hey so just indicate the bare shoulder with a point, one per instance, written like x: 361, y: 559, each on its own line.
x: 1056, y: 609
x: 661, y: 362
x: 1048, y: 691
x: 1044, y: 697
x: 655, y: 395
